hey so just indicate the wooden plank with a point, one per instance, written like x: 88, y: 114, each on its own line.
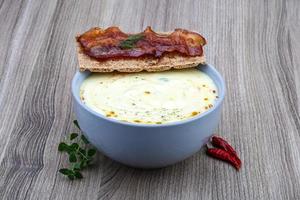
x: 254, y: 44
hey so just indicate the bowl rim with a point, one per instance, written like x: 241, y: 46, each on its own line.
x: 221, y: 94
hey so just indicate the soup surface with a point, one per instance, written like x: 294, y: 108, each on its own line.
x: 149, y: 98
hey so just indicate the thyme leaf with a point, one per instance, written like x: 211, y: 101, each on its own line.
x: 130, y: 42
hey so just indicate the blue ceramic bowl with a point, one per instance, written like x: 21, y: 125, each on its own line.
x: 144, y: 145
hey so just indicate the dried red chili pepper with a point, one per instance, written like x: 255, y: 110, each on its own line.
x: 222, y: 144
x: 225, y: 155
x: 224, y: 151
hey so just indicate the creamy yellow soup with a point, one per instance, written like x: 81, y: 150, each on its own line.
x: 149, y: 98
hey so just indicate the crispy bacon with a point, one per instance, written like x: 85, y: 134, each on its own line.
x: 105, y: 43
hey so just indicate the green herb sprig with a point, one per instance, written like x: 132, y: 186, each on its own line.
x: 80, y: 154
x: 130, y: 42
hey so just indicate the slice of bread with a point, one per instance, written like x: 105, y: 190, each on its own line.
x: 150, y: 64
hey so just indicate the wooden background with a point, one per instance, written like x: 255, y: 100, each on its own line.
x: 255, y: 44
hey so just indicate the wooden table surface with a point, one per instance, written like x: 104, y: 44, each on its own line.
x: 254, y: 44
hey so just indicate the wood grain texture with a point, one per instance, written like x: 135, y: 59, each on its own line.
x: 254, y: 44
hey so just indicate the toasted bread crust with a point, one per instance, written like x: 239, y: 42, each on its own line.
x: 150, y: 64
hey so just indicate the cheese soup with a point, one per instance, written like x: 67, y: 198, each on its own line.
x: 149, y: 98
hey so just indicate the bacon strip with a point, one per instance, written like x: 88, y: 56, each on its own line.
x: 105, y: 43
